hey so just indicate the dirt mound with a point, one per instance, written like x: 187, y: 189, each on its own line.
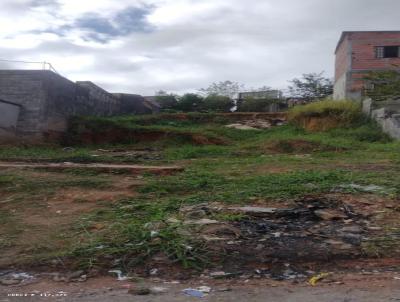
x: 314, y: 124
x: 298, y: 146
x: 118, y: 135
x: 219, y: 118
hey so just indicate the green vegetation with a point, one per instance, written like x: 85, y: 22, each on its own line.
x: 383, y: 85
x: 189, y: 102
x: 218, y: 103
x: 311, y: 86
x: 274, y: 165
x: 345, y: 113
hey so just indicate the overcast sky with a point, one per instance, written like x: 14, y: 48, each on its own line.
x: 182, y: 45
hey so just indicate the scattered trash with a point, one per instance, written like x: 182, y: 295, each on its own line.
x: 199, y: 292
x: 204, y: 289
x: 193, y: 293
x: 241, y: 127
x: 154, y: 234
x: 153, y: 272
x: 120, y: 276
x: 314, y: 280
x: 203, y: 221
x: 221, y: 275
x: 255, y: 124
x: 158, y: 290
x: 21, y: 276
x: 12, y: 278
x: 365, y: 188
x: 9, y: 282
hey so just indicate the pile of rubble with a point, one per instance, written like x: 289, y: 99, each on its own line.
x: 314, y: 229
x: 256, y: 124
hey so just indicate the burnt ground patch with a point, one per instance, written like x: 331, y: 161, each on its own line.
x: 315, y: 229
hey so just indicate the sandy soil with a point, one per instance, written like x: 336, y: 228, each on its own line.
x: 345, y: 288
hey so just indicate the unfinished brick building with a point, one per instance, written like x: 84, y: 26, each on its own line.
x: 359, y: 52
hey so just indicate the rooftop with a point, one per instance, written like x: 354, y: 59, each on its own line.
x: 345, y: 33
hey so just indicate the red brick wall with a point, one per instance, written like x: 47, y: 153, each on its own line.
x: 363, y: 50
x: 363, y: 58
x: 357, y: 81
x: 342, y: 61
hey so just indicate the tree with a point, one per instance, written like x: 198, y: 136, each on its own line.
x: 166, y: 101
x: 311, y: 86
x: 190, y: 102
x: 383, y: 85
x: 227, y: 88
x: 218, y: 103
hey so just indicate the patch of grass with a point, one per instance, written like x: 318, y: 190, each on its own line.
x: 134, y: 230
x: 367, y: 132
x: 343, y: 113
x: 6, y: 180
x: 191, y: 152
x: 205, y: 187
x: 134, y: 245
x: 23, y: 186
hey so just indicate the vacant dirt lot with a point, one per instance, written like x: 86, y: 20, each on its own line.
x: 263, y: 213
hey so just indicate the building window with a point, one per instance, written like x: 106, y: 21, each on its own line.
x: 387, y: 52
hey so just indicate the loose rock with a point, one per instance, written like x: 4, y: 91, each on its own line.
x: 329, y: 214
x: 254, y: 211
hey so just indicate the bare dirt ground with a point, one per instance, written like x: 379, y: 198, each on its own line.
x: 258, y: 222
x: 49, y: 212
x: 98, y: 167
x: 374, y: 287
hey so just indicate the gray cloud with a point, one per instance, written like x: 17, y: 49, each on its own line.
x: 124, y: 22
x: 185, y: 45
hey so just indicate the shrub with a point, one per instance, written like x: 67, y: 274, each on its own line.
x: 333, y: 113
x: 383, y: 85
x: 218, y: 103
x: 190, y: 102
x: 369, y: 132
x: 167, y: 101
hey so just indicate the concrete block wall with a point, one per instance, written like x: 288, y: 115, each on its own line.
x: 134, y: 104
x: 25, y: 88
x: 9, y: 119
x: 47, y: 100
x: 100, y: 102
x: 387, y: 114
